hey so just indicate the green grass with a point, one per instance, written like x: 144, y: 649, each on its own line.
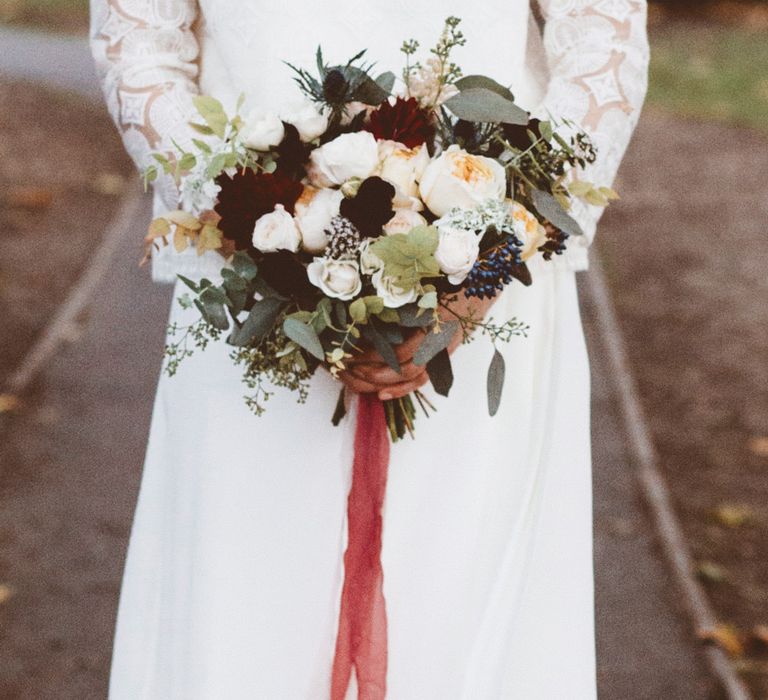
x: 69, y: 16
x: 712, y: 72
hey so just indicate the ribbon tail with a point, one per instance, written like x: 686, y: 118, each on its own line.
x: 361, y: 644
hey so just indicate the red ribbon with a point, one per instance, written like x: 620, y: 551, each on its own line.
x: 362, y: 638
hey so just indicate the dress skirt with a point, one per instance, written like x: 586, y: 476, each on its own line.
x: 233, y: 578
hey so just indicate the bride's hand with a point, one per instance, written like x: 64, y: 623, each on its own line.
x: 368, y: 373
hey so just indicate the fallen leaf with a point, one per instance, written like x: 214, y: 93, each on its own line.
x: 759, y: 446
x: 6, y: 593
x: 726, y: 637
x: 709, y: 571
x: 8, y: 402
x: 732, y: 515
x: 29, y: 197
x: 760, y: 633
x: 109, y: 183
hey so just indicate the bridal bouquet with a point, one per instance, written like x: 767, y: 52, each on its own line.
x: 356, y: 219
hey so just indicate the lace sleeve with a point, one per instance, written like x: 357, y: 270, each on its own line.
x: 145, y: 55
x: 597, y: 51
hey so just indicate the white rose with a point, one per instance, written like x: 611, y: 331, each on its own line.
x: 458, y: 179
x: 314, y: 211
x: 309, y: 122
x: 347, y: 156
x: 336, y: 278
x: 403, y: 221
x: 394, y: 297
x: 403, y: 167
x: 457, y: 252
x: 276, y: 231
x: 527, y: 229
x: 369, y: 262
x: 262, y: 130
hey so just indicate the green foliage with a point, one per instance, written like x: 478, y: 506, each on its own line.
x: 435, y: 341
x: 212, y: 111
x: 305, y: 335
x: 409, y: 257
x: 496, y: 371
x: 481, y: 104
x: 440, y: 373
x: 712, y: 72
x: 551, y: 209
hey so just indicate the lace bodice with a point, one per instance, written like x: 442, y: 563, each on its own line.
x: 588, y: 63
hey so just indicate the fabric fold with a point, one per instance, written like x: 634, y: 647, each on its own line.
x: 361, y: 644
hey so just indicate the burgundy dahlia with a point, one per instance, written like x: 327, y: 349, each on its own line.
x: 247, y: 196
x: 371, y: 207
x: 405, y: 121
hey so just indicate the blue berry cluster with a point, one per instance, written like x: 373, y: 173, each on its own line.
x: 493, y: 271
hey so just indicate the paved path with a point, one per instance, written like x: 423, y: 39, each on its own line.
x: 71, y: 466
x: 56, y: 61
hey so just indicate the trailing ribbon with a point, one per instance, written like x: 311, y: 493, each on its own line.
x: 362, y: 638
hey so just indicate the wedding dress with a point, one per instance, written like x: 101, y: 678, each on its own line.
x: 235, y: 565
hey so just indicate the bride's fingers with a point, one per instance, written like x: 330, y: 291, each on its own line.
x: 397, y: 391
x: 386, y: 375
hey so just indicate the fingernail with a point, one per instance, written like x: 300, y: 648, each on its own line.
x: 385, y: 396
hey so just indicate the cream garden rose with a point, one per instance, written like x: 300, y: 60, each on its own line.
x: 276, y: 231
x: 457, y: 251
x: 459, y: 179
x: 403, y: 167
x: 346, y: 157
x: 313, y: 212
x: 403, y: 221
x: 262, y: 130
x: 336, y: 278
x: 527, y: 229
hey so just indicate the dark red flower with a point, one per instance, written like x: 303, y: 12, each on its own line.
x: 405, y: 121
x: 371, y: 207
x: 248, y: 196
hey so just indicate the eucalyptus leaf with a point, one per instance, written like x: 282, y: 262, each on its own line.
x: 479, y: 104
x: 391, y: 331
x: 340, y: 311
x: 381, y: 346
x: 305, y: 336
x: 496, y: 371
x: 433, y: 342
x: 213, y: 313
x: 212, y: 111
x: 358, y: 311
x: 369, y: 92
x: 260, y: 321
x: 341, y: 408
x: 192, y: 285
x: 411, y: 316
x: 214, y: 295
x: 440, y: 372
x: 551, y: 209
x: 482, y: 81
x: 386, y: 81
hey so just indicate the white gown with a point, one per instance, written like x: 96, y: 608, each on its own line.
x: 233, y: 579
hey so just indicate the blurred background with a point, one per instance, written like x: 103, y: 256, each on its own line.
x: 684, y: 255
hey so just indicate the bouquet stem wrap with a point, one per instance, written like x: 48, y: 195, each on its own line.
x: 362, y: 637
